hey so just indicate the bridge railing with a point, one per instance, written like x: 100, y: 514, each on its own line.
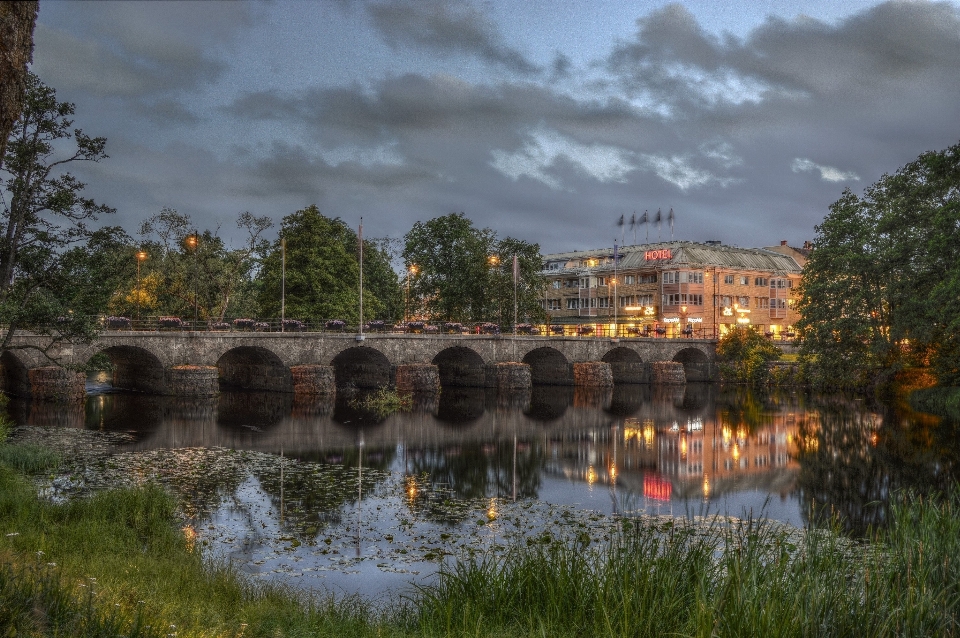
x: 337, y: 326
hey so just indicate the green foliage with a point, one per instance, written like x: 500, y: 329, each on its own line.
x: 44, y: 214
x: 942, y: 401
x: 881, y: 290
x: 323, y: 273
x: 743, y: 355
x: 28, y: 458
x: 383, y: 402
x: 465, y: 274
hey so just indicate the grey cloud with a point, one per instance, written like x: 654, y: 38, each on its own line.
x: 447, y: 28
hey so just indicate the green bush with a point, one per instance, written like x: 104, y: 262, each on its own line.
x: 743, y: 356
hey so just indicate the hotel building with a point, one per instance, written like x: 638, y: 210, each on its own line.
x: 671, y: 289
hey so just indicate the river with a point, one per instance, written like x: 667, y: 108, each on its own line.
x: 328, y: 495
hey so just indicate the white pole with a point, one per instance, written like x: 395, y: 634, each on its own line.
x: 361, y: 276
x: 283, y: 281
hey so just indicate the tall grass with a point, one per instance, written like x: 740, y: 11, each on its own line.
x: 754, y: 579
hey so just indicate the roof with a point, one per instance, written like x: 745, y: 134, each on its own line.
x: 683, y: 254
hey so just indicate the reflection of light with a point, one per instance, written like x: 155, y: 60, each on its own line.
x: 873, y: 439
x: 591, y: 475
x: 492, y: 509
x: 648, y: 434
x: 613, y: 471
x: 656, y: 488
x: 694, y: 425
x: 683, y: 447
x: 736, y: 452
x: 726, y: 436
x: 190, y: 535
x: 412, y: 490
x: 706, y: 487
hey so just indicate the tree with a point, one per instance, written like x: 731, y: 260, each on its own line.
x: 880, y: 290
x: 17, y: 21
x: 743, y: 355
x: 323, y: 272
x: 464, y: 273
x: 44, y: 214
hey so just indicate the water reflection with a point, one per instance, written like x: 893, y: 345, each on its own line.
x: 696, y: 448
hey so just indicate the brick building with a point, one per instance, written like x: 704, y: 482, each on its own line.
x: 671, y: 289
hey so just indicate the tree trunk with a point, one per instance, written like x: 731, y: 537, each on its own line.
x: 17, y: 20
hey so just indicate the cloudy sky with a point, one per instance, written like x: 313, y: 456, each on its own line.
x: 542, y: 119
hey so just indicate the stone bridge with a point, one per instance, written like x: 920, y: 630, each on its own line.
x: 158, y: 362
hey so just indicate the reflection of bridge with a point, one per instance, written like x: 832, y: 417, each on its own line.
x: 151, y: 362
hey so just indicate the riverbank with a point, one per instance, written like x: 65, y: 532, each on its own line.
x: 122, y: 562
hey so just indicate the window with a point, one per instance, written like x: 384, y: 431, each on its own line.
x: 778, y: 303
x: 760, y: 281
x: 726, y: 302
x: 728, y: 279
x: 629, y: 279
x: 763, y: 302
x: 744, y: 280
x: 690, y: 277
x: 671, y: 277
x: 743, y: 302
x: 571, y: 283
x: 647, y: 279
x: 556, y: 283
x: 682, y: 299
x: 603, y: 302
x: 584, y: 282
x: 601, y: 281
x: 573, y: 304
x: 644, y: 300
x: 553, y: 304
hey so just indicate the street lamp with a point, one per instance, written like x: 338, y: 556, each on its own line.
x: 192, y: 242
x: 411, y: 271
x: 141, y: 256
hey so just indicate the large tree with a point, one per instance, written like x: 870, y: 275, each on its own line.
x: 881, y: 289
x: 44, y: 214
x: 17, y: 21
x: 459, y: 272
x: 323, y: 273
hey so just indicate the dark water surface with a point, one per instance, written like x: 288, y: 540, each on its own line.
x: 362, y: 503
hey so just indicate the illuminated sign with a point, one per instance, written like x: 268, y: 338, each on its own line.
x: 671, y: 320
x: 743, y: 320
x: 728, y: 312
x: 648, y: 311
x: 656, y: 488
x: 663, y: 253
x: 695, y: 320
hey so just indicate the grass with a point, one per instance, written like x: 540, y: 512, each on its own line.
x: 117, y: 564
x: 384, y: 402
x: 942, y: 401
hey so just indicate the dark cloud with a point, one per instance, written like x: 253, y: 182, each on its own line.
x: 446, y: 27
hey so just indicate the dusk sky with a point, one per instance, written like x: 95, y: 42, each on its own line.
x: 543, y: 120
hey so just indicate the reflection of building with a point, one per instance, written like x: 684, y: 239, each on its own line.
x: 675, y: 287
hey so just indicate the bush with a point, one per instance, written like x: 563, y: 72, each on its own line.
x: 336, y: 324
x: 219, y: 326
x: 453, y: 328
x: 377, y: 325
x: 557, y: 330
x: 243, y: 324
x: 489, y: 328
x: 292, y: 325
x: 743, y: 355
x: 261, y: 326
x: 171, y: 323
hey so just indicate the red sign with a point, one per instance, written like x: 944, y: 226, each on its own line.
x: 663, y: 253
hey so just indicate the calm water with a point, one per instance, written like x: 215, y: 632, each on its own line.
x: 357, y: 497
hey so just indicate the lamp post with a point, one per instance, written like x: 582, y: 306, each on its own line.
x: 192, y: 241
x: 411, y: 271
x: 494, y: 261
x: 141, y: 256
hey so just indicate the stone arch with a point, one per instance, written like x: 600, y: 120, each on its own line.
x: 696, y: 364
x: 136, y: 368
x: 15, y: 379
x: 254, y: 368
x: 549, y: 403
x: 548, y: 366
x: 626, y: 364
x: 460, y: 367
x: 362, y: 367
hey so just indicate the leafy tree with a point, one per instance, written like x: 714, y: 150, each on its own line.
x: 323, y: 272
x: 466, y: 274
x: 743, y: 355
x: 44, y: 214
x: 17, y: 20
x: 880, y: 290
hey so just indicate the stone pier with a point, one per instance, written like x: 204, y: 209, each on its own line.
x: 314, y: 380
x: 418, y: 377
x: 594, y: 374
x: 512, y: 376
x: 52, y: 383
x: 669, y: 373
x: 194, y: 381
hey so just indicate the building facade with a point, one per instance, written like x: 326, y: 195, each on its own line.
x: 671, y: 289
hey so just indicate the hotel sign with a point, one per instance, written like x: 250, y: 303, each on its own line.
x: 663, y: 253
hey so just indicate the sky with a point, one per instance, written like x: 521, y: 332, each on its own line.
x: 544, y: 120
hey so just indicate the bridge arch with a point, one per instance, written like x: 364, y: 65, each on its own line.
x: 15, y: 377
x: 254, y: 368
x: 461, y: 367
x: 696, y: 364
x: 135, y: 368
x: 549, y: 366
x: 362, y: 367
x: 626, y: 364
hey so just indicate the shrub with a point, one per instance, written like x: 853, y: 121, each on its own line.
x: 377, y: 325
x: 261, y: 326
x: 526, y: 329
x: 243, y: 324
x: 336, y: 324
x: 557, y: 330
x: 173, y: 323
x: 292, y: 325
x: 743, y: 355
x: 415, y: 326
x: 489, y: 328
x: 453, y: 328
x: 219, y: 326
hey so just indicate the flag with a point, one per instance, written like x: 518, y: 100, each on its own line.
x: 645, y: 218
x: 670, y: 217
x: 620, y: 223
x: 516, y: 269
x: 658, y: 220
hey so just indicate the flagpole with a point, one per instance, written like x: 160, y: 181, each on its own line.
x: 616, y: 281
x: 283, y: 281
x: 360, y: 338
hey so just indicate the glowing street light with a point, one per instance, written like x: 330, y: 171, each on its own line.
x: 192, y: 242
x: 141, y: 256
x: 411, y: 271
